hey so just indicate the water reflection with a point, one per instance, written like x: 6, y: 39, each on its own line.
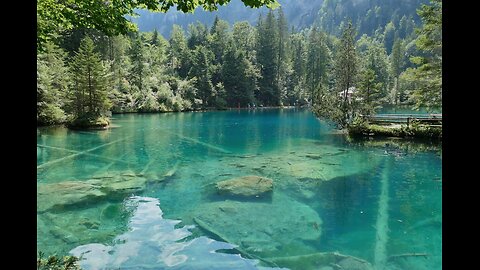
x: 153, y: 242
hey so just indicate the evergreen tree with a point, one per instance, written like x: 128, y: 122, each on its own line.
x: 202, y: 70
x: 346, y: 70
x: 369, y: 91
x: 267, y: 55
x: 120, y: 69
x: 217, y: 42
x: 402, y: 28
x: 428, y: 73
x: 53, y: 83
x: 282, y: 61
x: 155, y: 40
x: 239, y: 77
x: 90, y: 82
x: 244, y: 38
x: 317, y: 62
x: 179, y: 54
x: 298, y: 51
x: 219, y: 38
x: 198, y: 35
x: 396, y: 63
x: 389, y: 36
x: 373, y: 56
x: 137, y: 56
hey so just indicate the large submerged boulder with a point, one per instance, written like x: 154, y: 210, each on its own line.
x: 123, y: 184
x: 246, y: 186
x: 59, y: 195
x: 260, y: 228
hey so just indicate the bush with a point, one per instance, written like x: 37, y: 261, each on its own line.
x: 89, y: 120
x: 49, y: 114
x: 54, y: 262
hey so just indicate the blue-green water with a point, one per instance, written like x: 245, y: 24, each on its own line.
x: 372, y: 200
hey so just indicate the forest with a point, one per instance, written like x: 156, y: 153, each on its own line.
x: 85, y: 73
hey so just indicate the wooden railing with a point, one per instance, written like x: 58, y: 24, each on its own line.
x: 431, y: 119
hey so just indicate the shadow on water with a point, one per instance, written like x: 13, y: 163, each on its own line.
x: 344, y: 205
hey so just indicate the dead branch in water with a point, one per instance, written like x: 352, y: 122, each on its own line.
x: 392, y: 257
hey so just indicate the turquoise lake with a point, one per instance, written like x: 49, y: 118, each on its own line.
x: 142, y: 194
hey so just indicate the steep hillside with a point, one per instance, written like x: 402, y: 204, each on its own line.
x: 369, y: 15
x: 299, y: 13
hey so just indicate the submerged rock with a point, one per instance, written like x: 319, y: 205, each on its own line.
x: 123, y: 184
x: 260, y: 228
x: 245, y: 186
x: 322, y: 260
x: 59, y: 195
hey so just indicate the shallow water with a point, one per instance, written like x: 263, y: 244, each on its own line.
x: 372, y: 200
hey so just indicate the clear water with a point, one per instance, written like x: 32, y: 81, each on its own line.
x: 372, y: 200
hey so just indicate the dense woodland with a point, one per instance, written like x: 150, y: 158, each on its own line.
x: 85, y: 73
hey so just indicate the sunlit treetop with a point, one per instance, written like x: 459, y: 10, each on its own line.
x: 56, y: 16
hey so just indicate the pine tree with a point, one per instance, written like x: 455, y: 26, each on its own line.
x: 137, y: 56
x: 428, y: 73
x: 373, y: 56
x: 282, y: 61
x: 217, y: 43
x: 239, y: 78
x: 389, y: 36
x: 179, y: 54
x: 317, y: 62
x: 346, y: 69
x: 90, y: 82
x: 396, y: 63
x: 298, y: 56
x: 155, y: 40
x: 53, y: 83
x: 202, y: 70
x: 267, y: 55
x: 120, y: 68
x: 198, y: 35
x: 219, y: 38
x: 368, y: 91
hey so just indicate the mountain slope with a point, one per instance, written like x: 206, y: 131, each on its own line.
x: 367, y: 15
x: 299, y: 13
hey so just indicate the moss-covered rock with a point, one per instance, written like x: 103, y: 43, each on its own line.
x: 246, y: 186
